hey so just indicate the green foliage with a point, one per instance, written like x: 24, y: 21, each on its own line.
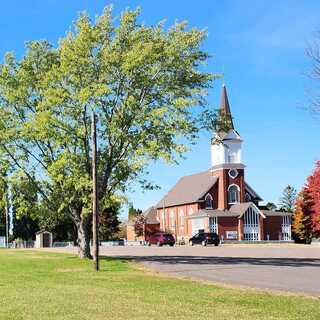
x: 271, y: 206
x: 288, y: 199
x: 144, y: 83
x: 109, y: 223
x: 133, y: 213
x: 24, y: 228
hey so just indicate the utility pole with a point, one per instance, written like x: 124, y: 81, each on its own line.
x: 95, y: 214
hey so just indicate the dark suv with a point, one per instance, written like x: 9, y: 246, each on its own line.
x: 205, y: 238
x: 161, y: 239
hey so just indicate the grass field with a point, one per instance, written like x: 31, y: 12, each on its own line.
x: 39, y: 285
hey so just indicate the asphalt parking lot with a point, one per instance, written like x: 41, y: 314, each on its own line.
x: 283, y: 267
x: 280, y: 267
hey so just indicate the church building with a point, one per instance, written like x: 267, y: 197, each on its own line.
x: 220, y: 199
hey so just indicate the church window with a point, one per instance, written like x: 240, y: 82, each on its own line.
x: 233, y: 194
x: 208, y: 201
x: 172, y: 222
x: 248, y: 197
x: 163, y: 220
x: 233, y: 173
x: 181, y: 218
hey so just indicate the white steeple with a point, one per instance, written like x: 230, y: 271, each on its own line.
x: 226, y: 145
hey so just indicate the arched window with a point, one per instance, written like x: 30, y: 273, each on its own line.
x: 208, y: 201
x: 248, y: 197
x: 163, y: 220
x: 181, y: 218
x: 233, y: 193
x: 172, y: 220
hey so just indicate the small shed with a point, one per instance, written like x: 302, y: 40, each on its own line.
x: 43, y: 239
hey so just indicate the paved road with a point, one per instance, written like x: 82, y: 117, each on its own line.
x: 291, y: 268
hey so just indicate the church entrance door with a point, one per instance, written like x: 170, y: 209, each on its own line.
x: 251, y: 228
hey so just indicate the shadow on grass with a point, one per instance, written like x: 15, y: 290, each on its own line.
x: 204, y: 260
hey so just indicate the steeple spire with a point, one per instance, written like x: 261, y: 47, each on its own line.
x: 225, y: 112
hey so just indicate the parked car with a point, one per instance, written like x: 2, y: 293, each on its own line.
x: 161, y: 239
x: 205, y: 238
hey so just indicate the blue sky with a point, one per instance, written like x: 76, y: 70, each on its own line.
x: 260, y: 46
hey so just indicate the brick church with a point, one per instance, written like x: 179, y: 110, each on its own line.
x: 218, y: 200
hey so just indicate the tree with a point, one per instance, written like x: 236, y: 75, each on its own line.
x: 139, y: 225
x: 24, y: 228
x: 313, y: 188
x: 25, y: 207
x: 301, y: 225
x: 145, y: 85
x: 2, y: 222
x: 313, y: 52
x: 109, y: 222
x: 133, y: 213
x: 271, y: 206
x: 3, y: 196
x: 288, y: 199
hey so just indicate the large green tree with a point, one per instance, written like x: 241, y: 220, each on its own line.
x: 144, y: 83
x: 288, y: 199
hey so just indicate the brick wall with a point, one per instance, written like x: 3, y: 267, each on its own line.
x: 227, y: 224
x: 224, y: 181
x: 272, y: 226
x: 178, y: 230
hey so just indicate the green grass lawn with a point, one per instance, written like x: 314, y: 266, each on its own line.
x: 39, y: 285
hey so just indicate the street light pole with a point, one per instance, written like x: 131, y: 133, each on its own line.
x: 95, y: 214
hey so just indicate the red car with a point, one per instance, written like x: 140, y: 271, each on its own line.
x: 161, y: 239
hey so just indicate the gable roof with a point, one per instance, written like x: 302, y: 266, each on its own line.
x: 188, y: 189
x: 236, y: 210
x: 270, y: 213
x: 213, y: 213
x: 242, y: 207
x: 252, y: 192
x: 151, y: 216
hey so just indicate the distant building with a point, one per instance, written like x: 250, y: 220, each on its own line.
x: 219, y: 199
x: 150, y: 226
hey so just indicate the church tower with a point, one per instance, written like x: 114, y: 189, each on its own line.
x: 226, y: 157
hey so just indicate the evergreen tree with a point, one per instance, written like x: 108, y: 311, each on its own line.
x: 271, y: 206
x: 288, y: 199
x: 133, y: 213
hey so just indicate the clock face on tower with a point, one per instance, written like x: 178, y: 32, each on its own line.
x: 233, y: 173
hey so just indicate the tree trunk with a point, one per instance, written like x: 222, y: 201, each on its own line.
x: 84, y: 235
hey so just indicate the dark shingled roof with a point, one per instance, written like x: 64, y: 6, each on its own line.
x: 213, y: 213
x: 236, y: 210
x: 151, y: 216
x: 188, y: 189
x: 269, y: 213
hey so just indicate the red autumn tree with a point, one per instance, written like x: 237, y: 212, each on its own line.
x: 302, y: 223
x: 313, y: 187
